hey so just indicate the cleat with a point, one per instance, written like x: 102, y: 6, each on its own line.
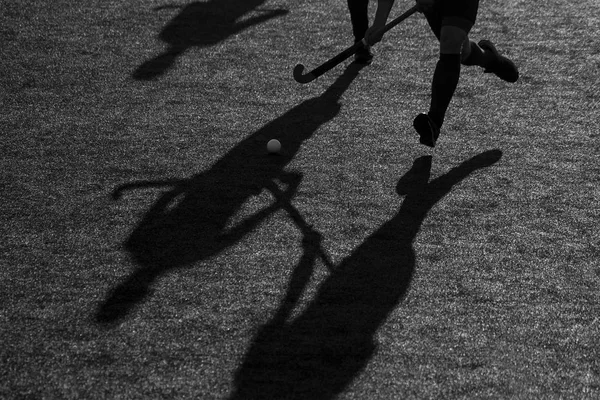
x: 363, y: 56
x: 502, y: 67
x: 427, y: 130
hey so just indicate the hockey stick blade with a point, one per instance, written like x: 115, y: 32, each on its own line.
x: 321, y: 69
x: 299, y: 75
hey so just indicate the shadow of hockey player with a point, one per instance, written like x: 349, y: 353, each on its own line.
x: 320, y: 352
x: 187, y: 223
x: 202, y: 24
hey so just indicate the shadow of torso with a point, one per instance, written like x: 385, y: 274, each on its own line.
x: 188, y: 224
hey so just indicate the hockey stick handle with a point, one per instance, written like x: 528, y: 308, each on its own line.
x: 299, y: 75
x: 396, y: 21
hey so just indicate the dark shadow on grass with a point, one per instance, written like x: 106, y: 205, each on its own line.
x: 187, y: 223
x: 202, y: 24
x: 319, y: 353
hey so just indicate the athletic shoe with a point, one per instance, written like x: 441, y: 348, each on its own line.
x: 427, y: 130
x: 502, y: 67
x: 363, y: 55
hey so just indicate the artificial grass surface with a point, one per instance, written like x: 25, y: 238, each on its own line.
x: 490, y: 291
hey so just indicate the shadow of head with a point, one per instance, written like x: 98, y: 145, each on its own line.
x: 203, y: 24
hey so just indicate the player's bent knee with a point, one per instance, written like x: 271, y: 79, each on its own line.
x: 452, y: 40
x: 466, y: 50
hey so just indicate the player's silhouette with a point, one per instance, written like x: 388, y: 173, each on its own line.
x: 203, y: 24
x: 188, y: 223
x: 317, y: 354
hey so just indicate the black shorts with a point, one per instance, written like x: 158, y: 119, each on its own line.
x: 459, y: 13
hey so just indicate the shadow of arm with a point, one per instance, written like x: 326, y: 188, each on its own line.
x: 180, y: 183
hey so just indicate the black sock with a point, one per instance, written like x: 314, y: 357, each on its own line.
x: 478, y: 56
x: 445, y: 80
x: 359, y: 15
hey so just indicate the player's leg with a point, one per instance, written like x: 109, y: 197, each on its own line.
x: 450, y: 22
x: 447, y: 71
x: 485, y: 55
x: 359, y: 16
x: 443, y: 85
x: 472, y: 54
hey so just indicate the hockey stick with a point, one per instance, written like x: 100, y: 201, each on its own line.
x: 299, y: 75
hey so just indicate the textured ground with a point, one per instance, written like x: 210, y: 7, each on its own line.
x: 152, y: 248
